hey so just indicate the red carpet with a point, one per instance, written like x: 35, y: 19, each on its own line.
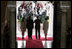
x: 34, y: 44
x: 34, y: 38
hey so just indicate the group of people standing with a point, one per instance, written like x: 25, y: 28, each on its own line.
x: 25, y: 9
x: 29, y: 25
x: 26, y: 12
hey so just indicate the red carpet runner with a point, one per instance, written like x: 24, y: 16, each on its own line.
x: 34, y: 44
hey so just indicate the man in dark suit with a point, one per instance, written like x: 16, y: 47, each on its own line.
x: 37, y: 26
x: 29, y: 26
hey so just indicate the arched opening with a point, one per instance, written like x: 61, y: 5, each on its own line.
x: 46, y: 10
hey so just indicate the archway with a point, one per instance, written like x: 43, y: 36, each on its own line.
x: 50, y: 31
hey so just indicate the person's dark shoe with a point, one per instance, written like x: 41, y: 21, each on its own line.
x: 31, y: 37
x: 28, y: 38
x: 36, y: 38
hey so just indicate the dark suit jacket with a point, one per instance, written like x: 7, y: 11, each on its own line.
x: 37, y: 23
x: 29, y: 24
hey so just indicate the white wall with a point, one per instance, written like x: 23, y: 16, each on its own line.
x: 18, y: 3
